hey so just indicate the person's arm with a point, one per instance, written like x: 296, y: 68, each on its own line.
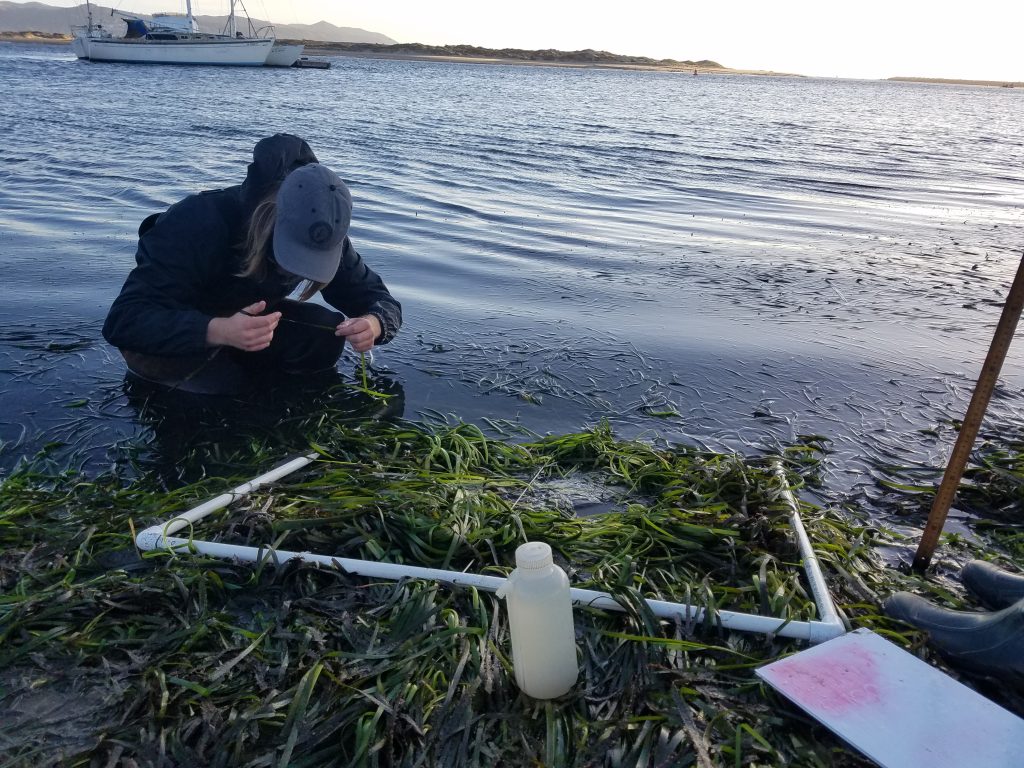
x: 157, y: 311
x: 360, y: 293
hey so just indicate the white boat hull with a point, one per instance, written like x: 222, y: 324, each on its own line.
x: 81, y: 47
x: 282, y: 55
x: 239, y: 52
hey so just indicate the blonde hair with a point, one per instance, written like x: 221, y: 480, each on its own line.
x: 258, y: 245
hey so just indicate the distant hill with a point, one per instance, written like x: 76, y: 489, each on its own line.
x: 50, y: 23
x: 545, y: 56
x: 39, y: 17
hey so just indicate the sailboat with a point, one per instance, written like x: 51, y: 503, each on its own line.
x: 284, y: 54
x: 172, y: 39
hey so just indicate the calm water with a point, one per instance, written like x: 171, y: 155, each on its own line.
x: 763, y: 257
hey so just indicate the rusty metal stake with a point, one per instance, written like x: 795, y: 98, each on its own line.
x: 972, y: 420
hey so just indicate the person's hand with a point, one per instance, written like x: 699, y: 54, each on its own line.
x: 246, y: 330
x: 361, y: 332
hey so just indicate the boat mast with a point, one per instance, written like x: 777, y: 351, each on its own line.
x: 88, y: 15
x: 231, y: 20
x: 188, y: 12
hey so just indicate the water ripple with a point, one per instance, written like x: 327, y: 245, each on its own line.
x: 762, y: 257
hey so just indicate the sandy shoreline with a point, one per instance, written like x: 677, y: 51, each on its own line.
x: 327, y: 50
x: 53, y: 38
x: 954, y: 81
x: 320, y: 49
x: 312, y: 49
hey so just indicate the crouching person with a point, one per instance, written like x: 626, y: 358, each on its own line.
x: 206, y: 308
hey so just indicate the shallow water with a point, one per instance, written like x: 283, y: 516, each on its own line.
x: 728, y: 261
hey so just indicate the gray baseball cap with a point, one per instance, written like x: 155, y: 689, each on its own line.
x: 314, y: 210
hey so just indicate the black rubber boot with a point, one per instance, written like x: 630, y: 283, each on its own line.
x: 987, y: 643
x: 995, y: 587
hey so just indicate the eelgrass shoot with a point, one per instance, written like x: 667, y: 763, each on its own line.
x: 110, y: 658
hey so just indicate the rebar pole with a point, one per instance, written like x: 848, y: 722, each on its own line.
x: 972, y: 421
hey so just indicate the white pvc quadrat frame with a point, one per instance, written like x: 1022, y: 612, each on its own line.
x: 829, y: 626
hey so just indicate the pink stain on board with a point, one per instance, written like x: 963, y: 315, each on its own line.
x: 837, y: 685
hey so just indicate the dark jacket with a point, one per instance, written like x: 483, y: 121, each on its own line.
x: 189, y: 258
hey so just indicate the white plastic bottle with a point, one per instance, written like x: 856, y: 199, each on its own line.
x: 540, y: 622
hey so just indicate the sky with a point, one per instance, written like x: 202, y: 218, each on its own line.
x: 980, y: 39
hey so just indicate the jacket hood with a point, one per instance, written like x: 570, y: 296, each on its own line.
x: 273, y: 158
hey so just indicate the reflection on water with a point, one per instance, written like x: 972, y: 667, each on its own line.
x: 727, y: 261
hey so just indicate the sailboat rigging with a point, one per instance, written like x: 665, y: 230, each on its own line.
x: 175, y: 39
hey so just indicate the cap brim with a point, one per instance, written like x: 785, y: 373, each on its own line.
x: 314, y: 264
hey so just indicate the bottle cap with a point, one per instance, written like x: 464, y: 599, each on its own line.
x: 533, y: 555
